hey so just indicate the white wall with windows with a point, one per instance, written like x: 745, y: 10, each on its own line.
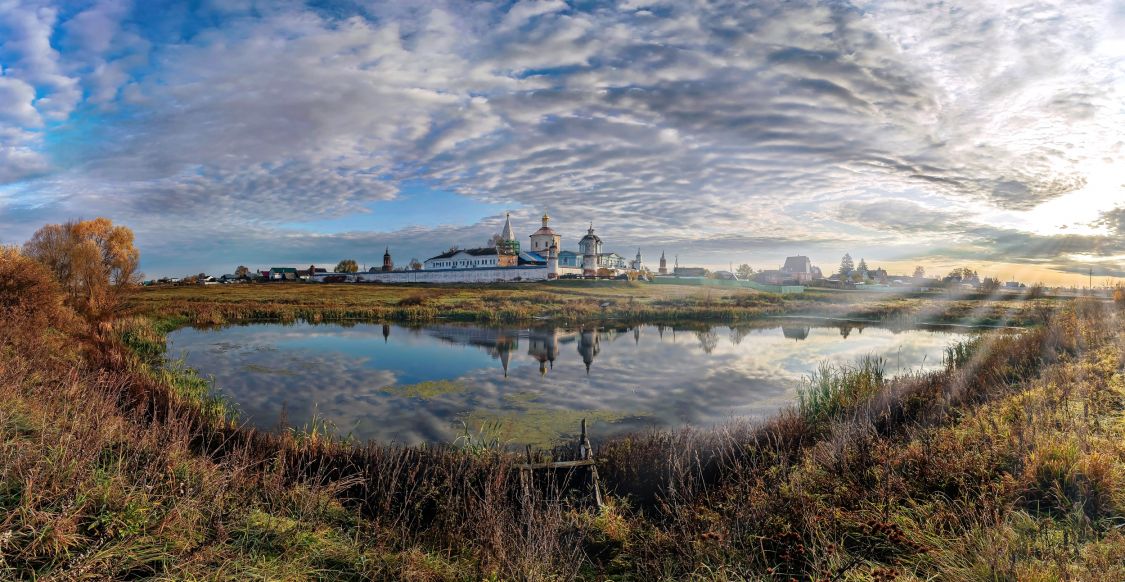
x: 462, y: 260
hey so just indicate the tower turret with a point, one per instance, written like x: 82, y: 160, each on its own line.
x: 663, y: 264
x: 590, y: 246
x: 553, y: 262
x: 388, y: 264
x: 508, y: 245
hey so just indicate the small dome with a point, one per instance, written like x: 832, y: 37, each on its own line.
x: 590, y: 236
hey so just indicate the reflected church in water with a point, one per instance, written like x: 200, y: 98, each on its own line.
x: 425, y: 383
x: 546, y: 345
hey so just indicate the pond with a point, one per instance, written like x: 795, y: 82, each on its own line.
x: 528, y: 385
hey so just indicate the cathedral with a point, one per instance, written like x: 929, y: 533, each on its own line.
x: 543, y: 255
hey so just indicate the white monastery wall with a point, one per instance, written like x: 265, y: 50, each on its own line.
x: 479, y: 275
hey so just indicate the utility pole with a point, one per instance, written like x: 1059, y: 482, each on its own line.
x: 1091, y: 278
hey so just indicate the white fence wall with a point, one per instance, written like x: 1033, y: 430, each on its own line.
x: 486, y: 275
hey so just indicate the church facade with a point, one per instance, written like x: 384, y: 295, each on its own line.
x: 507, y: 260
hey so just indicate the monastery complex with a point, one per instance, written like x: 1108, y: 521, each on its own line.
x: 507, y: 260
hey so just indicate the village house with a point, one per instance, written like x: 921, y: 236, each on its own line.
x: 689, y: 272
x: 281, y: 274
x: 770, y: 277
x: 799, y: 269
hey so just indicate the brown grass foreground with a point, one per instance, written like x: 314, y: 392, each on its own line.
x: 1007, y: 464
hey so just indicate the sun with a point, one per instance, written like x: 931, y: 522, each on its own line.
x: 1076, y: 212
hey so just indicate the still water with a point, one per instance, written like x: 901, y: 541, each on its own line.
x: 430, y: 383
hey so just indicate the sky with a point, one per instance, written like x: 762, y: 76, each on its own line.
x: 227, y: 132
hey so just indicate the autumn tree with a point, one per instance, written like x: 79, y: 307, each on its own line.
x: 241, y: 272
x: 415, y: 265
x: 494, y: 240
x: 962, y: 274
x: 744, y: 271
x: 919, y: 272
x: 93, y: 261
x: 346, y: 266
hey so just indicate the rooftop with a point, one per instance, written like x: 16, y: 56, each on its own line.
x: 478, y: 252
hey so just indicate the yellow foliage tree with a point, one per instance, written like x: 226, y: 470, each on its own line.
x: 93, y: 260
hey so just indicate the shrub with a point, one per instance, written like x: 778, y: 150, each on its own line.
x: 416, y: 300
x: 30, y: 299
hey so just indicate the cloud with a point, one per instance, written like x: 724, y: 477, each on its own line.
x: 356, y: 380
x: 953, y: 235
x: 1113, y: 220
x: 903, y: 216
x: 728, y: 128
x: 16, y: 99
x: 28, y: 55
x: 525, y: 10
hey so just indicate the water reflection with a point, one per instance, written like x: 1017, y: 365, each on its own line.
x: 419, y: 383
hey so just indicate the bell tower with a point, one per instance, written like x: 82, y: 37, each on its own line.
x: 543, y: 239
x: 388, y: 264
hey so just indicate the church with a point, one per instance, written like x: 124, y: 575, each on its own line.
x: 507, y: 260
x: 505, y: 253
x: 544, y: 250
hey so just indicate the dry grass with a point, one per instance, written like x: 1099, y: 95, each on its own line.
x: 570, y: 302
x: 1007, y: 464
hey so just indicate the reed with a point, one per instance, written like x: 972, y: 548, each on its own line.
x: 832, y: 390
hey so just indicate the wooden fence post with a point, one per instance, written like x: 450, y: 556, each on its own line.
x: 586, y: 453
x: 585, y: 459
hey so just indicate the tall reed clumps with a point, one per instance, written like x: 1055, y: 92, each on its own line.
x: 832, y: 390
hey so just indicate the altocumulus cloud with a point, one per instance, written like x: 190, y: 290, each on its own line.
x: 728, y: 128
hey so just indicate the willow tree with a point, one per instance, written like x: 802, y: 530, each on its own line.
x: 93, y: 261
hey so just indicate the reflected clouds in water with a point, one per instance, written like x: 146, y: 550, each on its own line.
x: 415, y: 384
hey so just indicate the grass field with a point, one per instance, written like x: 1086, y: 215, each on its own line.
x: 567, y: 301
